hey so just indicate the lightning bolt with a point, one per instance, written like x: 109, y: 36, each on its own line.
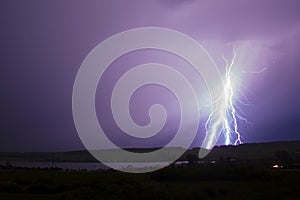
x: 231, y: 115
x: 224, y: 116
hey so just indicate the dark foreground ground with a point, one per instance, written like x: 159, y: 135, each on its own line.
x: 192, y: 182
x: 249, y: 171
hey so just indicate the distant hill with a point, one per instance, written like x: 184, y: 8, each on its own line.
x: 255, y: 152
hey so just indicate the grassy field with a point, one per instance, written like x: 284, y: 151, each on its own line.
x: 170, y: 183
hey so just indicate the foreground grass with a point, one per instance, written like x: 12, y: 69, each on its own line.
x: 170, y: 183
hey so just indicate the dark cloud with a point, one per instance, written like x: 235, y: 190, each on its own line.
x: 42, y: 44
x: 236, y: 19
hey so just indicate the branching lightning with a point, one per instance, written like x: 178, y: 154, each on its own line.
x: 231, y: 115
x: 224, y: 117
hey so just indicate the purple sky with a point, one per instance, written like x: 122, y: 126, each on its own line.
x: 42, y: 44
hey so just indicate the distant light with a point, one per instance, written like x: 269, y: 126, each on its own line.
x: 277, y: 166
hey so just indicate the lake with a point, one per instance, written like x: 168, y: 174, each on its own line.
x: 81, y: 165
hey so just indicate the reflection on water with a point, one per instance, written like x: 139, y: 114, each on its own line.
x: 81, y: 165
